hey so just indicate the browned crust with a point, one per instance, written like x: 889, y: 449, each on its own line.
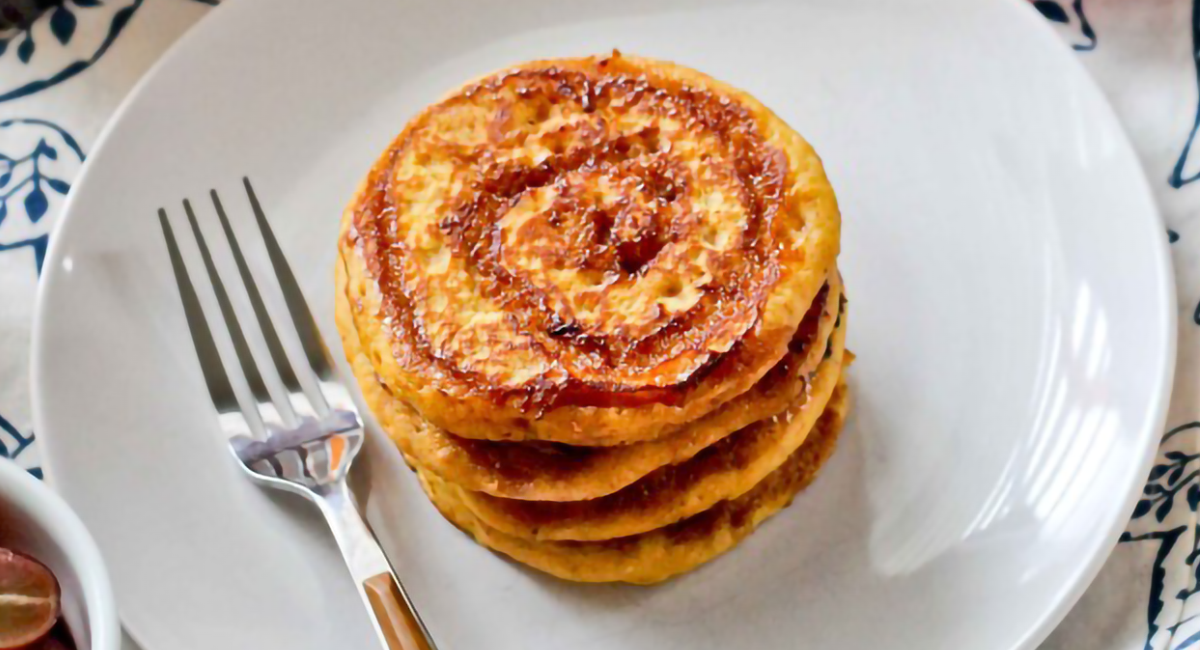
x: 812, y: 244
x: 723, y: 471
x: 659, y: 554
x: 549, y: 472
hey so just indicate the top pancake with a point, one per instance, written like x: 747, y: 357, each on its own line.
x: 589, y: 251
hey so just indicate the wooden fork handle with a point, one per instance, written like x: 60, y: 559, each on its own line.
x: 396, y: 617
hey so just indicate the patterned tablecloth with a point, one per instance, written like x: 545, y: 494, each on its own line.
x: 62, y: 76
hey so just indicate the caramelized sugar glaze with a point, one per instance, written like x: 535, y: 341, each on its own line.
x: 542, y: 471
x: 590, y: 251
x: 719, y: 472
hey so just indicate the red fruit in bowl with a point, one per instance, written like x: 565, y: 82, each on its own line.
x: 29, y: 600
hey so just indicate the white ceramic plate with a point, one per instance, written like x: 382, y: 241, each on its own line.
x: 1012, y: 309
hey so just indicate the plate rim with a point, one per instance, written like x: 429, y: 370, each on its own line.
x: 1069, y: 594
x: 1165, y: 290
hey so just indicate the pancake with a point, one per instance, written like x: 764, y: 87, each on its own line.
x: 545, y: 472
x: 660, y: 554
x: 588, y: 251
x: 723, y: 471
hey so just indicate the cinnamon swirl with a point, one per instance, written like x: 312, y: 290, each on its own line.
x: 588, y: 251
x: 595, y: 302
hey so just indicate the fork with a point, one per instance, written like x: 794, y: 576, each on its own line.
x: 294, y: 443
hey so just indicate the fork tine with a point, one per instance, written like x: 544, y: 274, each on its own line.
x: 241, y: 348
x: 274, y: 345
x: 302, y: 318
x: 219, y: 387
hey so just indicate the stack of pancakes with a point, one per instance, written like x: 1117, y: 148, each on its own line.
x: 596, y: 304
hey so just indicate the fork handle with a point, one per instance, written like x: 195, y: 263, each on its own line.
x: 395, y: 616
x: 396, y: 620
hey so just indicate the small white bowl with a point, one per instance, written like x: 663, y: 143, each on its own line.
x: 36, y: 521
